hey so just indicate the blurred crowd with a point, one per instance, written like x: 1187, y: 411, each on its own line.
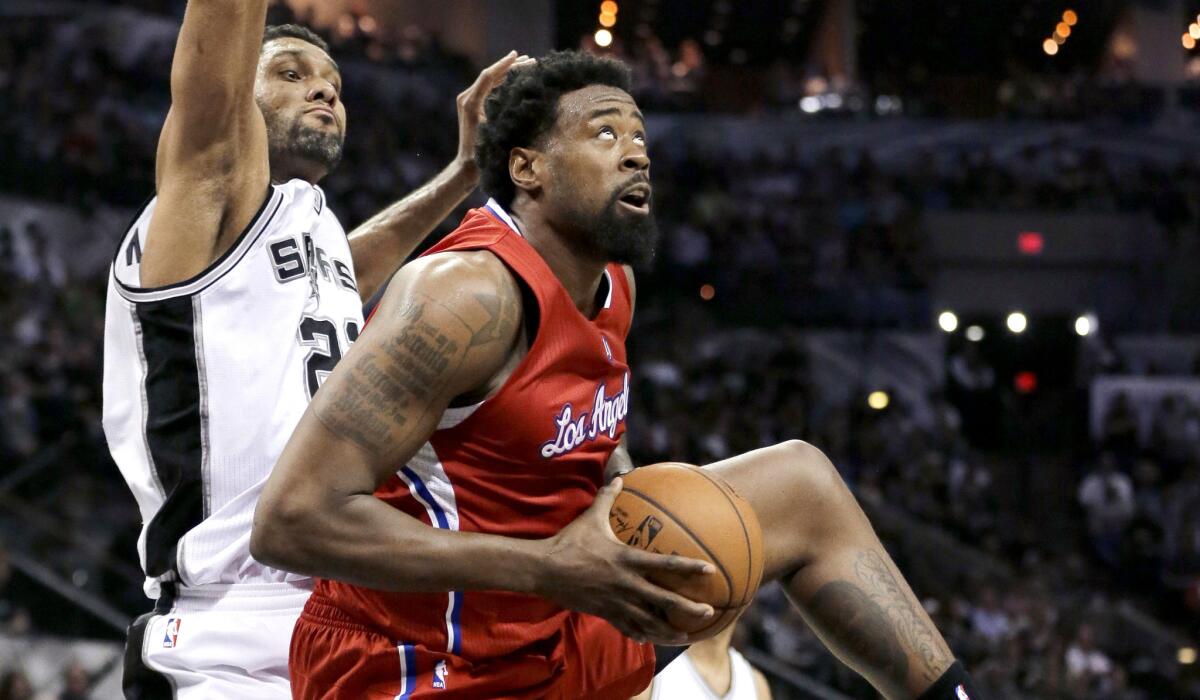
x: 840, y: 231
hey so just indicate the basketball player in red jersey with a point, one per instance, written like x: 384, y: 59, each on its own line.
x: 450, y: 473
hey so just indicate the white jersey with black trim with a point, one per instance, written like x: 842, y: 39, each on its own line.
x: 204, y: 380
x: 681, y: 681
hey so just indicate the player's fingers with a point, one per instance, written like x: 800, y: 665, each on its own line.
x: 650, y: 562
x: 606, y: 496
x: 651, y: 627
x: 669, y: 601
x: 489, y: 75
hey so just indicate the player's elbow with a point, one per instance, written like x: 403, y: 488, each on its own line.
x: 277, y: 536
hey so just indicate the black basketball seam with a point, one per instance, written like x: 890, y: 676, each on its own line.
x: 720, y: 566
x: 746, y: 533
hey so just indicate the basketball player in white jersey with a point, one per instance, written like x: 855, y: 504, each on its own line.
x: 709, y: 670
x: 232, y: 296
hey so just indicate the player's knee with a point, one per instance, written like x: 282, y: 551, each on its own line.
x: 808, y: 471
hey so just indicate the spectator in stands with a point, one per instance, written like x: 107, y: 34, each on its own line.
x: 1119, y: 429
x: 1106, y: 495
x: 989, y: 620
x: 15, y: 685
x: 76, y: 683
x: 1175, y: 431
x: 1088, y: 668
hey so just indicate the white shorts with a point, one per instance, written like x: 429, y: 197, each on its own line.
x: 228, y: 641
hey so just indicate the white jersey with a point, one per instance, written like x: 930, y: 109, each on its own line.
x: 681, y: 681
x: 204, y: 380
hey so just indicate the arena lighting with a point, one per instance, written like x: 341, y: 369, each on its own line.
x: 1186, y: 656
x: 947, y: 321
x: 1188, y: 42
x: 1063, y: 29
x: 810, y: 104
x: 707, y: 292
x: 1050, y: 47
x: 1025, y: 382
x: 1194, y: 30
x: 607, y: 20
x: 1070, y: 18
x: 603, y: 38
x: 1017, y: 322
x: 974, y: 333
x: 608, y: 7
x: 878, y: 400
x: 1085, y: 324
x: 1030, y: 243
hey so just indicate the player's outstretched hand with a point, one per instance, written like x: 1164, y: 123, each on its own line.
x: 588, y: 569
x: 470, y: 102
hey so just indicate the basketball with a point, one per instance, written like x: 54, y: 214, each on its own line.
x: 674, y: 508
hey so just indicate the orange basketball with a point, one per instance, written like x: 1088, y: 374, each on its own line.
x: 674, y: 508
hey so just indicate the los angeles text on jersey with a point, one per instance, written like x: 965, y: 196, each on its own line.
x: 607, y: 415
x: 292, y: 260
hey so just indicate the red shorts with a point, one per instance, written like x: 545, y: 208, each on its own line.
x: 335, y: 657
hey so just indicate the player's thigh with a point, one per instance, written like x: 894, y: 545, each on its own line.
x: 221, y: 654
x: 799, y: 498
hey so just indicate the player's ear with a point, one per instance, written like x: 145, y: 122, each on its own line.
x: 523, y: 170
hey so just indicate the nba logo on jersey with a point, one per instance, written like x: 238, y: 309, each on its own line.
x: 961, y: 692
x: 439, y: 675
x: 172, y: 634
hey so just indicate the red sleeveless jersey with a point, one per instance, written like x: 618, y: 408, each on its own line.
x: 524, y: 463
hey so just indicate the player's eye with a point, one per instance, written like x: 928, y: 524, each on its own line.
x: 291, y: 75
x: 606, y: 132
x: 639, y: 137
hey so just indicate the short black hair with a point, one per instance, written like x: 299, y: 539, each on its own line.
x: 525, y: 105
x: 295, y: 31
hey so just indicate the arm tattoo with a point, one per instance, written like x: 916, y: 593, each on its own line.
x: 384, y: 392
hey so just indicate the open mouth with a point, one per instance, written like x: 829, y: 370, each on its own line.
x: 636, y: 198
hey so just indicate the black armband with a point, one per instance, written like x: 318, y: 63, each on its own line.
x: 955, y: 684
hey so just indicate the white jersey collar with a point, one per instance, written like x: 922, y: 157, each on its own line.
x: 498, y: 210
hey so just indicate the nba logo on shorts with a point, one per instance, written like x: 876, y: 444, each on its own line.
x: 439, y: 675
x: 961, y: 692
x: 172, y: 635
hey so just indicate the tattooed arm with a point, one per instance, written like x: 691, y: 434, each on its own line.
x: 446, y: 325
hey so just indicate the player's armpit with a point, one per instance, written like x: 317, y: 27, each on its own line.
x: 212, y: 169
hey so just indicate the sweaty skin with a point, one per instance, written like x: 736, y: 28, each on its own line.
x: 216, y: 156
x: 817, y: 541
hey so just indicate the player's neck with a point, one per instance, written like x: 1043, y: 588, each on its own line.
x: 579, y: 273
x: 713, y: 664
x: 286, y: 170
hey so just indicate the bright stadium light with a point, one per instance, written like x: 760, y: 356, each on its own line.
x: 1017, y: 323
x: 603, y: 38
x: 810, y: 104
x: 947, y: 321
x: 1050, y: 47
x: 1194, y: 30
x: 974, y: 333
x: 1085, y: 325
x: 1070, y: 17
x: 878, y: 400
x: 1186, y: 656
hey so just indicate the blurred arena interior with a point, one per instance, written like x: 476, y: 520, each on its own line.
x: 953, y: 244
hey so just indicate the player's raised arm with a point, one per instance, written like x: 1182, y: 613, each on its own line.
x: 447, y: 325
x: 382, y: 243
x: 212, y: 167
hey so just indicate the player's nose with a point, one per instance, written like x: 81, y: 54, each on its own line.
x: 635, y: 161
x: 323, y: 92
